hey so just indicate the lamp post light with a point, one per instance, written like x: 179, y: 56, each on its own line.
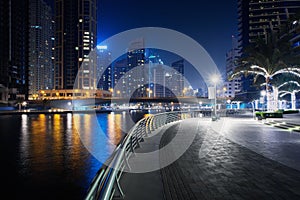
x: 200, y: 104
x: 70, y: 105
x: 149, y: 92
x: 111, y: 91
x: 24, y: 104
x: 215, y: 80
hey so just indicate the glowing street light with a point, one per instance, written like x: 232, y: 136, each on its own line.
x: 24, y: 103
x: 149, y: 92
x: 215, y: 79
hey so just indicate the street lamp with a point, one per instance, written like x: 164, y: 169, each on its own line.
x: 70, y: 105
x: 215, y: 80
x: 184, y: 91
x: 200, y: 104
x: 149, y: 92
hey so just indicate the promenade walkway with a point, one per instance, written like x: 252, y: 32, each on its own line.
x: 232, y: 158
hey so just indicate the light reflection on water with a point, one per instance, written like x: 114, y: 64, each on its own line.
x: 48, y: 155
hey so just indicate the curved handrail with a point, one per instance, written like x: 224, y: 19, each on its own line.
x: 106, y: 182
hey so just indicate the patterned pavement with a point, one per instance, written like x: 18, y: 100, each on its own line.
x: 244, y: 160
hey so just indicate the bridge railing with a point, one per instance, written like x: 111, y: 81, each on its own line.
x: 106, y: 183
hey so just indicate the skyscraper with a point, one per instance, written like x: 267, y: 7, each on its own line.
x: 41, y: 37
x: 256, y: 18
x: 159, y: 75
x: 178, y: 77
x: 14, y: 48
x: 232, y: 56
x: 137, y: 75
x: 76, y: 36
x: 119, y: 80
x: 104, y: 68
x: 294, y: 29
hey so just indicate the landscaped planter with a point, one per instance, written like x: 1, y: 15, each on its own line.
x: 264, y: 115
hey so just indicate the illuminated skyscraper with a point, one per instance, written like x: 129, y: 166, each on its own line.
x: 232, y: 56
x: 119, y: 80
x: 76, y: 36
x: 178, y: 78
x: 136, y: 76
x: 259, y: 17
x: 41, y: 38
x: 104, y: 69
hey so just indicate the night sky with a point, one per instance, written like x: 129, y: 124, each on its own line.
x: 210, y: 23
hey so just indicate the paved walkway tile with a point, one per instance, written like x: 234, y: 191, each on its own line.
x: 229, y: 171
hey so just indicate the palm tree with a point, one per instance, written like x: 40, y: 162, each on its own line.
x: 289, y: 88
x: 293, y: 96
x: 267, y: 59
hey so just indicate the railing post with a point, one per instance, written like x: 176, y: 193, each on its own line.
x: 148, y: 126
x: 137, y: 141
x: 152, y: 124
x: 126, y: 162
x: 119, y: 188
x: 131, y: 145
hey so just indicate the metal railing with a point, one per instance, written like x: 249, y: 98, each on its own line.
x: 106, y: 183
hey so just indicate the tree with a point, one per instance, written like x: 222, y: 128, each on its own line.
x: 265, y: 60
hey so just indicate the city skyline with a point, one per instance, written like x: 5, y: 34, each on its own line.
x: 151, y: 100
x: 190, y: 18
x: 215, y: 36
x: 81, y: 26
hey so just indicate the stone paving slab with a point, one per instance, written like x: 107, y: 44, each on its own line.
x: 228, y: 171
